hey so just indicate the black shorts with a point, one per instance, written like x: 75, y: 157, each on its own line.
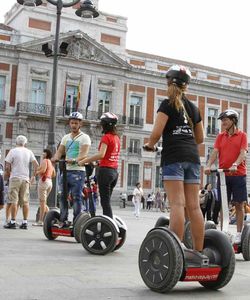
x: 236, y: 189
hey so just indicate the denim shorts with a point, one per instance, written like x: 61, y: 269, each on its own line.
x: 184, y: 171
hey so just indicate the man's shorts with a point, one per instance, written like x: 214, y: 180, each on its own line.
x: 44, y: 188
x: 19, y: 191
x: 236, y: 189
x: 183, y: 171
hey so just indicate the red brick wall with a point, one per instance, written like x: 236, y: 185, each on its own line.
x: 39, y: 24
x: 4, y: 37
x: 137, y: 88
x: 9, y: 130
x: 4, y: 67
x: 125, y: 99
x: 213, y: 101
x: 13, y: 86
x: 110, y: 39
x: 150, y: 105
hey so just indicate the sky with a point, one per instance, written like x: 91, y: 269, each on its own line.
x: 214, y: 33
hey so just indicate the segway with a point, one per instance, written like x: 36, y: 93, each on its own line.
x: 163, y: 260
x: 51, y: 227
x: 244, y: 246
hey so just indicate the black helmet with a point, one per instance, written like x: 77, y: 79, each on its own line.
x: 179, y: 75
x: 108, y: 118
x: 75, y: 116
x: 229, y: 113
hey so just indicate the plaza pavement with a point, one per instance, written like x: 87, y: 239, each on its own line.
x: 33, y: 268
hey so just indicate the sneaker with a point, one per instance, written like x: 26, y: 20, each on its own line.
x: 39, y: 223
x: 10, y: 226
x: 237, y: 239
x: 24, y: 226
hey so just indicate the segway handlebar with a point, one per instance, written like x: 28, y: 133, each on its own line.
x: 220, y: 170
x: 155, y: 149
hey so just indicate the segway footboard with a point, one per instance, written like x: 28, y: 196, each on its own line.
x: 161, y: 260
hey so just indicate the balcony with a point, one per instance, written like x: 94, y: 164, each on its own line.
x: 212, y: 131
x: 2, y: 105
x: 135, y: 122
x: 43, y: 110
x: 134, y: 151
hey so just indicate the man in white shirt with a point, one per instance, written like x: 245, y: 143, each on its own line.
x: 17, y: 171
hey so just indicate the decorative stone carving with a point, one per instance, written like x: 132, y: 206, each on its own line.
x: 39, y: 71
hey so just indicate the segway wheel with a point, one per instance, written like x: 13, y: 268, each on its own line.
x: 51, y: 217
x: 99, y: 235
x: 187, y: 238
x: 210, y: 225
x: 162, y: 222
x: 122, y: 234
x: 220, y: 252
x: 78, y: 224
x: 160, y: 260
x: 245, y: 244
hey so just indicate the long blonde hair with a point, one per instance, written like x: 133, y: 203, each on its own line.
x: 175, y: 94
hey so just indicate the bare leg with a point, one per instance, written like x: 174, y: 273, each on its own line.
x: 25, y: 211
x: 175, y: 190
x: 8, y: 212
x: 239, y: 215
x: 195, y: 215
x: 13, y: 210
x: 43, y: 210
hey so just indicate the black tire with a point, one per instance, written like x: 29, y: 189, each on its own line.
x: 51, y: 217
x: 162, y: 222
x: 78, y: 225
x: 210, y: 225
x: 187, y: 238
x: 99, y: 235
x: 220, y: 252
x: 160, y: 260
x: 245, y: 244
x: 122, y: 234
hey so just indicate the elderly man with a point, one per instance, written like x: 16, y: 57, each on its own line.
x: 17, y: 171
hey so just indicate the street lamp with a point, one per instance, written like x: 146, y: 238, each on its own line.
x: 86, y: 10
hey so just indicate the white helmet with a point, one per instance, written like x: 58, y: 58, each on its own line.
x: 75, y: 116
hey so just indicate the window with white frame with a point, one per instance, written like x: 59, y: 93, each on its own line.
x: 134, y: 146
x: 70, y: 99
x: 212, y: 121
x: 135, y: 110
x: 133, y: 174
x: 2, y: 87
x: 38, y: 95
x: 158, y: 177
x: 104, y: 101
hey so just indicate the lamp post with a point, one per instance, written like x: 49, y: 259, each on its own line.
x: 86, y: 10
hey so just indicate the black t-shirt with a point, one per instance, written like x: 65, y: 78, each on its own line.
x: 178, y: 142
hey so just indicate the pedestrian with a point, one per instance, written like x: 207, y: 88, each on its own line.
x: 46, y: 171
x: 158, y: 200
x: 1, y: 192
x: 216, y: 206
x: 137, y: 195
x: 107, y: 155
x: 73, y: 145
x: 149, y: 201
x: 206, y: 201
x: 231, y: 147
x: 17, y: 171
x: 179, y: 124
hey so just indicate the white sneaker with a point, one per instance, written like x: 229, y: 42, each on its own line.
x: 237, y: 239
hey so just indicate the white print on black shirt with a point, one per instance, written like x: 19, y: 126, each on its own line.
x: 183, y: 129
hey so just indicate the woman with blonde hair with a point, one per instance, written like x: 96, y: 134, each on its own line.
x: 179, y: 124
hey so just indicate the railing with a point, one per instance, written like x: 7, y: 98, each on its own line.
x: 2, y: 105
x: 135, y: 121
x: 212, y: 131
x: 44, y: 110
x: 133, y: 150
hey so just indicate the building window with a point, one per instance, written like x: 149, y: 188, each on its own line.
x: 133, y: 174
x: 135, y: 110
x: 104, y: 100
x: 212, y: 178
x: 212, y: 121
x: 38, y: 92
x: 134, y: 146
x: 70, y: 99
x: 158, y: 177
x: 2, y: 87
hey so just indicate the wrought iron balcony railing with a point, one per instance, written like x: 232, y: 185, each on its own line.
x: 2, y: 105
x: 133, y: 150
x: 135, y: 121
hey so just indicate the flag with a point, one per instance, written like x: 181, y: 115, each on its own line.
x: 78, y: 95
x: 89, y: 99
x: 64, y: 96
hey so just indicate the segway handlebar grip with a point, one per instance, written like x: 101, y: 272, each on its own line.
x: 155, y: 149
x: 220, y: 170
